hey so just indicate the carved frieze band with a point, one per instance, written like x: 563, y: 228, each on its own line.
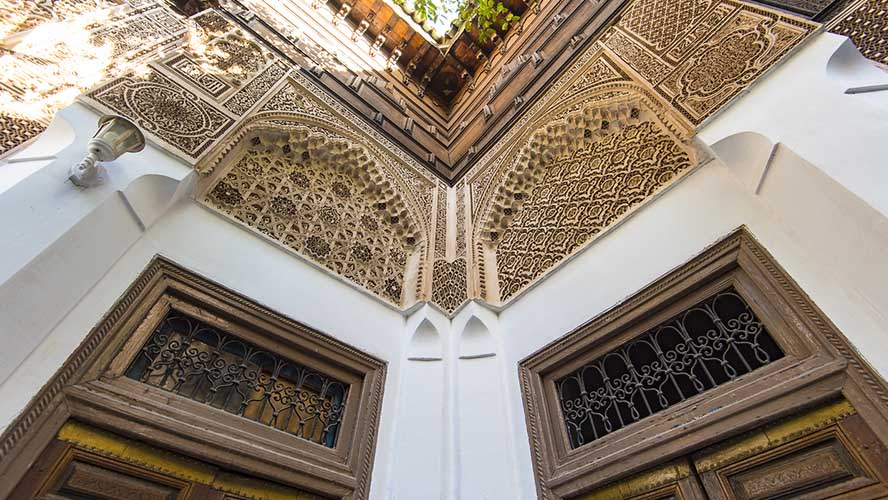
x: 165, y: 109
x: 700, y: 54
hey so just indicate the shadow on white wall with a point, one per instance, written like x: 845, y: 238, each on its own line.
x: 853, y: 72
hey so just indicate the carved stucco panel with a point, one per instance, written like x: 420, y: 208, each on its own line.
x: 47, y: 40
x: 320, y: 195
x: 164, y: 109
x: 15, y: 131
x: 449, y: 286
x: 866, y: 23
x: 738, y: 53
x: 580, y: 194
x: 251, y: 93
x: 699, y: 54
x: 661, y: 23
x: 299, y: 97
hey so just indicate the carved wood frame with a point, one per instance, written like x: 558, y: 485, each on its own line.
x: 819, y: 364
x: 89, y: 387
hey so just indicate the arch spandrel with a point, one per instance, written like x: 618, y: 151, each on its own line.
x: 574, y: 171
x: 324, y: 196
x: 295, y: 101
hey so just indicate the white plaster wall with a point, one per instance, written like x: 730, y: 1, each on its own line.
x: 203, y: 242
x: 827, y: 239
x: 485, y: 463
x: 802, y: 104
x: 69, y: 254
x: 420, y: 451
x: 824, y: 221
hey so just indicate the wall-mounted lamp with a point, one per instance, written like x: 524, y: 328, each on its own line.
x: 116, y: 136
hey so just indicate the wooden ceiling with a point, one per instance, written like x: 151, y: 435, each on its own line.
x: 440, y: 69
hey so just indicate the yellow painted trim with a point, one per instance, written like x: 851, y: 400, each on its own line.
x: 774, y: 435
x: 642, y: 483
x: 133, y: 452
x: 253, y: 488
x: 111, y: 445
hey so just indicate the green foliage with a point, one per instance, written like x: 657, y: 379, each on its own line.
x: 484, y: 15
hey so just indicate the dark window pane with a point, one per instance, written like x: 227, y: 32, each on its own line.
x: 197, y: 361
x: 707, y: 345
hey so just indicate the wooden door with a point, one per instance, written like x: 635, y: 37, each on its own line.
x: 85, y: 463
x: 825, y: 453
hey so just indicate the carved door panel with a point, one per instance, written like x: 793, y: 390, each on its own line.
x: 826, y: 453
x: 85, y: 463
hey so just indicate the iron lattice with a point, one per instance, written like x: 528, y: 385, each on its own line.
x: 705, y: 346
x: 192, y: 359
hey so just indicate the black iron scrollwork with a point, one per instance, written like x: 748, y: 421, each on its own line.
x: 707, y: 345
x: 190, y: 358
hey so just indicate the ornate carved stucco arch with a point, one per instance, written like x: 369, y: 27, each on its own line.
x: 325, y: 193
x: 384, y: 172
x: 575, y: 171
x: 563, y: 123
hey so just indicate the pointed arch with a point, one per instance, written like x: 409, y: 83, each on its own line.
x: 425, y: 343
x: 321, y: 192
x: 575, y: 172
x: 476, y: 340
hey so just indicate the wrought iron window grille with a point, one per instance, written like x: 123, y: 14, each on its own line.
x: 192, y: 359
x: 705, y: 346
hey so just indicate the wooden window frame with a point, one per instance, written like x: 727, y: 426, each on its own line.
x: 91, y: 387
x: 819, y: 364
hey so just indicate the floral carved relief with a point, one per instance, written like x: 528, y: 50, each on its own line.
x: 699, y: 54
x: 165, y: 109
x: 580, y: 193
x: 725, y: 62
x: 322, y: 196
x: 735, y: 56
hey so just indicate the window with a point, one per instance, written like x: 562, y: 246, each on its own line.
x: 724, y: 344
x: 195, y: 360
x: 188, y: 367
x: 705, y: 346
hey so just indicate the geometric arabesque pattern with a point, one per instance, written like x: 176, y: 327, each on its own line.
x: 606, y: 135
x: 866, y: 23
x: 316, y: 193
x: 698, y: 54
x: 580, y: 194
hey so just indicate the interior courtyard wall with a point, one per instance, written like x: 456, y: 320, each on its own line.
x: 486, y: 465
x: 802, y: 103
x: 243, y: 263
x: 69, y: 254
x: 77, y: 251
x: 826, y: 238
x: 422, y: 439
